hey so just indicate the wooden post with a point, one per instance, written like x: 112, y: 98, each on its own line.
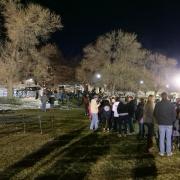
x: 40, y: 124
x: 52, y: 119
x: 16, y: 126
x: 24, y: 124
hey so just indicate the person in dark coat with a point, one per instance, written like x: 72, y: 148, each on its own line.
x: 165, y: 115
x: 86, y: 104
x: 139, y: 117
x: 51, y: 100
x: 148, y: 119
x: 106, y: 115
x: 122, y: 110
x: 131, y: 112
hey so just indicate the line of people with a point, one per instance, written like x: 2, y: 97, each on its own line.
x: 119, y: 114
x: 113, y: 114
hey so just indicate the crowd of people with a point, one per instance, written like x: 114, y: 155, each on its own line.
x: 159, y: 119
x: 63, y: 97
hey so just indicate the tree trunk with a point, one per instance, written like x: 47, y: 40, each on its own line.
x: 10, y: 89
x: 113, y: 89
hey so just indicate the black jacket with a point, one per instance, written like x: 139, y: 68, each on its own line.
x: 131, y: 108
x: 139, y: 111
x: 122, y: 108
x: 165, y: 113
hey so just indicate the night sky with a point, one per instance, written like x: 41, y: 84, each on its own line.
x: 156, y: 23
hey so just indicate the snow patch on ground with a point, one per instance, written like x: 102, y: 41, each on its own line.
x: 32, y: 103
x: 27, y: 103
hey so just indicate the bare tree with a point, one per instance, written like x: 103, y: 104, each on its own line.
x: 161, y: 68
x: 55, y: 71
x: 26, y: 29
x: 118, y: 56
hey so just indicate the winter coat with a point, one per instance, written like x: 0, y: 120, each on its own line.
x: 44, y: 99
x: 122, y: 109
x: 131, y: 108
x: 148, y: 116
x: 139, y: 111
x: 106, y: 111
x: 94, y: 106
x: 176, y: 128
x: 165, y: 113
x: 114, y: 109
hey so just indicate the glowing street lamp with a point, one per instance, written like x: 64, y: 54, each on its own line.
x: 141, y: 82
x: 98, y: 76
x: 30, y: 80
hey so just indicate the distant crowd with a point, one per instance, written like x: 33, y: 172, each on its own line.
x: 63, y: 97
x: 155, y: 118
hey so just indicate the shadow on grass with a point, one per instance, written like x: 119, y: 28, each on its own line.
x: 77, y: 161
x: 145, y: 164
x: 45, y: 150
x: 129, y: 161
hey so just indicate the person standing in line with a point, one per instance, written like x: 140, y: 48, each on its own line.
x: 148, y: 119
x: 115, y: 114
x: 85, y: 100
x: 94, y: 105
x: 51, y: 100
x: 44, y: 100
x: 131, y: 112
x: 139, y: 117
x: 122, y: 110
x: 165, y: 115
x: 106, y: 116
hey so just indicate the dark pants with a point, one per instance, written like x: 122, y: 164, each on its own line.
x: 122, y: 124
x: 150, y: 134
x: 86, y: 107
x: 130, y: 124
x: 141, y: 129
x: 176, y: 142
x: 106, y: 120
x: 114, y: 123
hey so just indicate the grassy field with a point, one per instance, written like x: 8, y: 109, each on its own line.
x: 66, y: 149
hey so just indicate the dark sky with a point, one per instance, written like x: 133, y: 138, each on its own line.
x: 156, y: 23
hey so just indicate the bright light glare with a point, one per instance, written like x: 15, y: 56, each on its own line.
x: 167, y: 86
x: 177, y: 80
x: 30, y: 80
x: 141, y: 82
x: 98, y: 76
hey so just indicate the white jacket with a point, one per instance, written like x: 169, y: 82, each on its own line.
x: 114, y: 109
